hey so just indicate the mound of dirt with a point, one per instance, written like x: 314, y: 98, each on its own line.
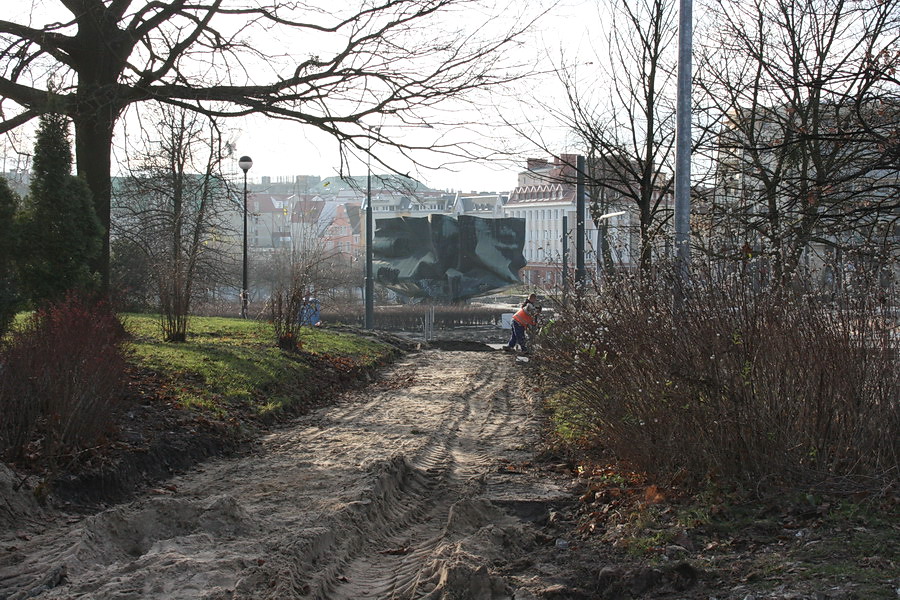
x: 18, y: 503
x: 155, y: 439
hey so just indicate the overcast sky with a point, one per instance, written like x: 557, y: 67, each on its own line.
x: 284, y: 149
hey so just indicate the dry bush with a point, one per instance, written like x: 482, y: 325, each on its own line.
x: 60, y: 375
x: 750, y: 387
x: 409, y: 317
x: 345, y: 313
x: 285, y: 308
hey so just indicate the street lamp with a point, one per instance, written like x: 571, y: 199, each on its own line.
x: 245, y: 163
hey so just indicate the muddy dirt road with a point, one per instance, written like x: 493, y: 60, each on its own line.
x: 415, y: 487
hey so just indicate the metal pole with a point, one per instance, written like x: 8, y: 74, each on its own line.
x: 579, y: 223
x: 683, y: 148
x: 244, y: 285
x: 565, y: 257
x: 370, y: 282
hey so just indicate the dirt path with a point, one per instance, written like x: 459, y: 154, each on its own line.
x: 413, y: 488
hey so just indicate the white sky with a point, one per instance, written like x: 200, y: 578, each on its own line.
x: 285, y: 149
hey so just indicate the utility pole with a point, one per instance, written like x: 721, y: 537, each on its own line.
x: 565, y: 257
x: 370, y: 276
x: 579, y: 224
x: 683, y: 150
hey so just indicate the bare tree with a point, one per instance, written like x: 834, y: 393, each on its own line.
x: 299, y: 276
x: 806, y: 146
x: 172, y: 207
x: 392, y: 58
x: 619, y: 108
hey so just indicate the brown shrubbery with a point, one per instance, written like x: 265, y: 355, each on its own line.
x: 409, y: 317
x: 744, y: 387
x: 60, y: 374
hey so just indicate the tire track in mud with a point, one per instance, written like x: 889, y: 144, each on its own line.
x: 379, y: 496
x: 397, y: 562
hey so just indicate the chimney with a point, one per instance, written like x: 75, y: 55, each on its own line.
x: 565, y: 167
x: 536, y: 163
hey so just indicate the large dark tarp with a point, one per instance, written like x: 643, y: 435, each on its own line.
x: 448, y: 258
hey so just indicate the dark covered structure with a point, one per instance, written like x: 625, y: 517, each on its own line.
x: 447, y: 258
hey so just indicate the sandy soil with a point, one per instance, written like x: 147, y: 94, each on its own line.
x: 418, y: 486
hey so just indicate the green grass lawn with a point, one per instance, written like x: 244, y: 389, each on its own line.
x: 228, y: 364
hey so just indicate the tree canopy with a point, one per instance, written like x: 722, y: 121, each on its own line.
x: 331, y: 68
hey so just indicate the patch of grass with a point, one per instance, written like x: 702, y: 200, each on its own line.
x: 229, y: 364
x: 648, y: 542
x: 845, y: 545
x: 322, y: 341
x: 147, y: 326
x: 18, y: 322
x: 864, y: 543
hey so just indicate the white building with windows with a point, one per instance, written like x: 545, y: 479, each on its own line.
x: 544, y: 195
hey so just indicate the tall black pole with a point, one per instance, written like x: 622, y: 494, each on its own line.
x: 244, y: 285
x: 579, y: 223
x: 370, y: 282
x: 245, y: 162
x: 565, y: 257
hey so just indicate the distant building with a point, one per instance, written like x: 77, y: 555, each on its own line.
x: 329, y: 214
x: 333, y: 214
x: 478, y: 205
x: 822, y: 190
x: 546, y: 193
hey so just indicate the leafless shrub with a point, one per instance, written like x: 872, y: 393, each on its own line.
x: 171, y: 211
x: 60, y: 375
x: 409, y: 317
x: 284, y: 310
x: 297, y: 277
x: 739, y: 385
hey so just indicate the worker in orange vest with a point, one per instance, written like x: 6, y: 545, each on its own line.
x: 525, y: 317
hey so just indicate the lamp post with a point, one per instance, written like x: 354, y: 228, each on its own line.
x: 245, y: 163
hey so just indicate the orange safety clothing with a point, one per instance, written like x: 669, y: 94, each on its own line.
x: 523, y: 317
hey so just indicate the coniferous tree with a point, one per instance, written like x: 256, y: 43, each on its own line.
x: 8, y: 239
x: 60, y: 233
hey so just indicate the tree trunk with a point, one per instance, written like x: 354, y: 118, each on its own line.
x: 93, y: 159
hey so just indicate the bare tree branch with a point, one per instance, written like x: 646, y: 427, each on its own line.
x: 388, y: 58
